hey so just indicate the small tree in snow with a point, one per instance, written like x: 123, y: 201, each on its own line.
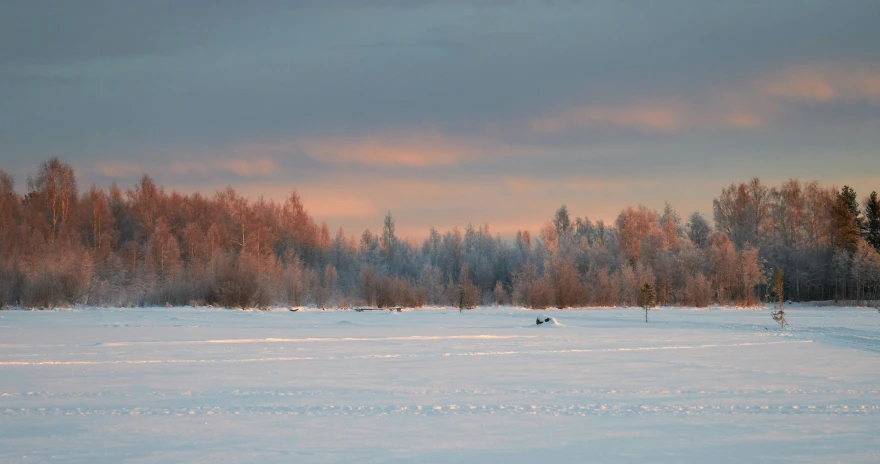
x: 777, y: 287
x: 647, y: 298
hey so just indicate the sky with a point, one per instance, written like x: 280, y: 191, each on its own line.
x: 445, y: 112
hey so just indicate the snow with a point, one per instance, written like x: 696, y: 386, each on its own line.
x: 212, y: 385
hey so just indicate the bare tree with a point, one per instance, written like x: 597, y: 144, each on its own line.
x: 55, y: 187
x: 777, y: 287
x: 468, y: 295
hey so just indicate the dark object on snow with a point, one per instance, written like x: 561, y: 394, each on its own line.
x: 539, y: 321
x: 396, y: 308
x: 293, y: 309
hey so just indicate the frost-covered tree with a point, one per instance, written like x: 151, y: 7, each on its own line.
x: 751, y: 275
x: 325, y: 290
x: 499, y: 293
x: 635, y: 227
x: 389, y: 243
x: 467, y: 295
x: 163, y: 251
x: 670, y: 223
x: 562, y: 277
x: 152, y: 246
x: 742, y: 212
x: 564, y: 229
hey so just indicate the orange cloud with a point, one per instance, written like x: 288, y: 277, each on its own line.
x: 119, y: 169
x: 572, y: 184
x: 749, y: 105
x: 824, y: 82
x: 390, y: 149
x: 521, y: 184
x: 743, y: 120
x: 600, y: 185
x: 259, y: 167
x: 240, y: 167
x: 329, y: 204
x: 668, y: 118
x: 653, y: 118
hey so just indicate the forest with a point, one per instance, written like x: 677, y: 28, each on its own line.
x: 63, y: 246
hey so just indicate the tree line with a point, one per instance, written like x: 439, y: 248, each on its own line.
x: 147, y: 246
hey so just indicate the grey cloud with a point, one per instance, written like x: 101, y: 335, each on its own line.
x: 99, y: 80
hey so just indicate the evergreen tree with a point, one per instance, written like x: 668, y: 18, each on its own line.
x: 389, y: 242
x: 845, y: 220
x: 872, y: 221
x: 562, y: 222
x: 647, y: 298
x: 848, y: 196
x: 698, y: 230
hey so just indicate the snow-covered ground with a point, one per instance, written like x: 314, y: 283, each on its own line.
x: 206, y: 385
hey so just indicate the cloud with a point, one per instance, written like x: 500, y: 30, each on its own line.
x: 571, y: 184
x: 334, y: 205
x: 665, y: 118
x: 743, y: 120
x: 327, y: 200
x: 387, y: 148
x: 119, y: 169
x: 824, y: 82
x: 204, y: 167
x: 648, y: 117
x: 751, y: 104
x: 522, y: 184
x: 239, y: 167
x: 414, y: 150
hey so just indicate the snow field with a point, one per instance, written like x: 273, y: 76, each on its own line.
x: 197, y: 385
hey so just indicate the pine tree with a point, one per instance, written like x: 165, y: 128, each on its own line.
x: 848, y: 195
x: 872, y: 221
x: 389, y: 242
x: 845, y: 217
x: 562, y: 222
x: 698, y: 230
x: 647, y: 298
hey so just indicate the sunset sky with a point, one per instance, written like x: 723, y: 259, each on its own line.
x: 445, y: 113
